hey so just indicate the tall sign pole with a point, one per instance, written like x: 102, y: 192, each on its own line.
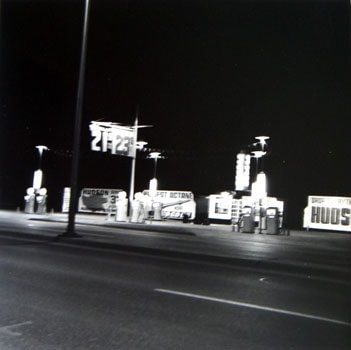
x: 73, y: 204
x: 132, y: 175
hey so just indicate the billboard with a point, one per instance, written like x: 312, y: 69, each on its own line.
x: 113, y: 137
x: 174, y: 204
x: 328, y: 213
x: 98, y: 200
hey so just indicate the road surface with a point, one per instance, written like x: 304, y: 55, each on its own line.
x: 57, y: 296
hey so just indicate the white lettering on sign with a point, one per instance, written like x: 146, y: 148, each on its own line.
x: 334, y: 216
x: 172, y: 194
x: 328, y: 213
x: 112, y: 137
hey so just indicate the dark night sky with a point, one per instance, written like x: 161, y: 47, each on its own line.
x: 208, y: 75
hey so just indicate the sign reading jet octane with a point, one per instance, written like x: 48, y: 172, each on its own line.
x: 175, y: 204
x: 328, y: 213
x: 112, y: 137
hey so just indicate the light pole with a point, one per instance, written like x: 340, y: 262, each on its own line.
x: 259, y: 189
x: 139, y: 145
x: 41, y: 149
x: 153, y: 182
x: 38, y: 174
x: 262, y: 141
x: 155, y: 156
x: 257, y: 155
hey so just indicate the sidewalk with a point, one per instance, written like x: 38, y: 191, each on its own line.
x: 316, y: 253
x: 177, y: 226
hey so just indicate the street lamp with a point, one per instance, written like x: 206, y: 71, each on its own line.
x: 257, y: 155
x: 41, y: 149
x: 262, y: 141
x: 153, y: 182
x: 155, y: 156
x: 140, y: 145
x: 38, y: 174
x: 260, y: 153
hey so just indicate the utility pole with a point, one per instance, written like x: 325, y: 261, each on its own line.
x: 73, y: 204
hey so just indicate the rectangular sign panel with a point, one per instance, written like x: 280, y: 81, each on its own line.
x: 328, y: 213
x: 112, y: 137
x: 175, y: 204
x: 66, y: 199
x: 98, y: 200
x: 220, y: 207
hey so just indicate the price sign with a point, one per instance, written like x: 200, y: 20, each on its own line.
x: 113, y: 137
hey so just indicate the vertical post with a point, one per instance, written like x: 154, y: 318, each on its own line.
x: 132, y: 175
x: 40, y: 157
x: 41, y: 149
x: 155, y: 167
x: 73, y: 204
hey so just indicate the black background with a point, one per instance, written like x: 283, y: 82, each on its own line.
x: 208, y: 75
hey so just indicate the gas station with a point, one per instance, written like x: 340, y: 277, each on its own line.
x: 249, y: 208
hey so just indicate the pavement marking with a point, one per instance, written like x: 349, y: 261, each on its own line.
x: 253, y: 306
x: 7, y: 329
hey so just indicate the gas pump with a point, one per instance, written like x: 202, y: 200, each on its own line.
x: 41, y: 201
x: 248, y: 220
x: 272, y: 217
x: 29, y: 200
x: 121, y: 207
x: 137, y: 209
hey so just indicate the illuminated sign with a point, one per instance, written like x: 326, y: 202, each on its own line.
x: 328, y: 213
x: 112, y: 137
x: 242, y: 175
x: 37, y: 179
x: 66, y: 199
x: 153, y: 188
x: 258, y: 190
x: 220, y: 207
x: 174, y: 204
x: 98, y: 200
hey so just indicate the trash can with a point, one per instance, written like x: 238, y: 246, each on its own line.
x: 272, y: 221
x: 185, y: 218
x: 248, y: 220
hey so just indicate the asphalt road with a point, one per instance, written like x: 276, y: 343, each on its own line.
x: 57, y: 296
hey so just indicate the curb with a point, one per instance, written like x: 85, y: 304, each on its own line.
x: 128, y: 226
x: 310, y: 271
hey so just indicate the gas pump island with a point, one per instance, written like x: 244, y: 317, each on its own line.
x: 251, y: 209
